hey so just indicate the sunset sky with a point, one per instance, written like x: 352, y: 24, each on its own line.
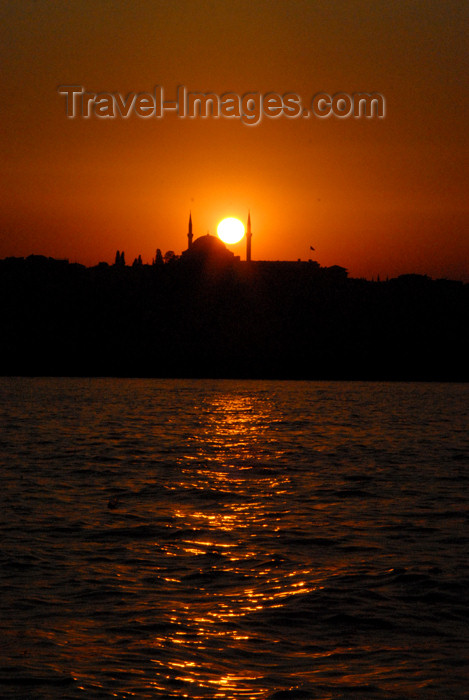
x: 377, y: 196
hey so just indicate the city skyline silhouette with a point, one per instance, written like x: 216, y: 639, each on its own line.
x: 207, y: 313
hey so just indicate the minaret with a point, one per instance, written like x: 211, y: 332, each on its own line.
x: 189, y: 235
x: 248, y: 238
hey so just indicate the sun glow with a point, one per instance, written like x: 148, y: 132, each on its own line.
x: 230, y: 230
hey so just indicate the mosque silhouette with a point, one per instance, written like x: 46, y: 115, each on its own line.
x: 211, y: 248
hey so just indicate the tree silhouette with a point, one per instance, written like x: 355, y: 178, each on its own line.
x: 158, y: 258
x: 169, y: 256
x: 120, y: 259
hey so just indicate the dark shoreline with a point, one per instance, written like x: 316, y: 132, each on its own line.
x: 259, y: 320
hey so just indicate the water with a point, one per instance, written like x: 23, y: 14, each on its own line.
x: 173, y: 538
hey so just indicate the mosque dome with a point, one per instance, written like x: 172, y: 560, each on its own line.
x: 208, y: 249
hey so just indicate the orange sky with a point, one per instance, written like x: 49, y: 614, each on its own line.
x: 385, y: 196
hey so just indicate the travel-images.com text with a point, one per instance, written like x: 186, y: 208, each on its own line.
x: 250, y: 107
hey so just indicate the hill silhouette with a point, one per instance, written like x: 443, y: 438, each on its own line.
x: 261, y: 319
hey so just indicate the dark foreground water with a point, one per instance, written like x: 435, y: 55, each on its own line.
x: 233, y: 539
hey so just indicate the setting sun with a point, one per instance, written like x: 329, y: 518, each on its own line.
x: 230, y: 230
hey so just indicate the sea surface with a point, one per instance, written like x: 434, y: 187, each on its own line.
x: 233, y: 539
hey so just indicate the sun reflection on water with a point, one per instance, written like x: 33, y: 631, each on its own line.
x: 231, y: 510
